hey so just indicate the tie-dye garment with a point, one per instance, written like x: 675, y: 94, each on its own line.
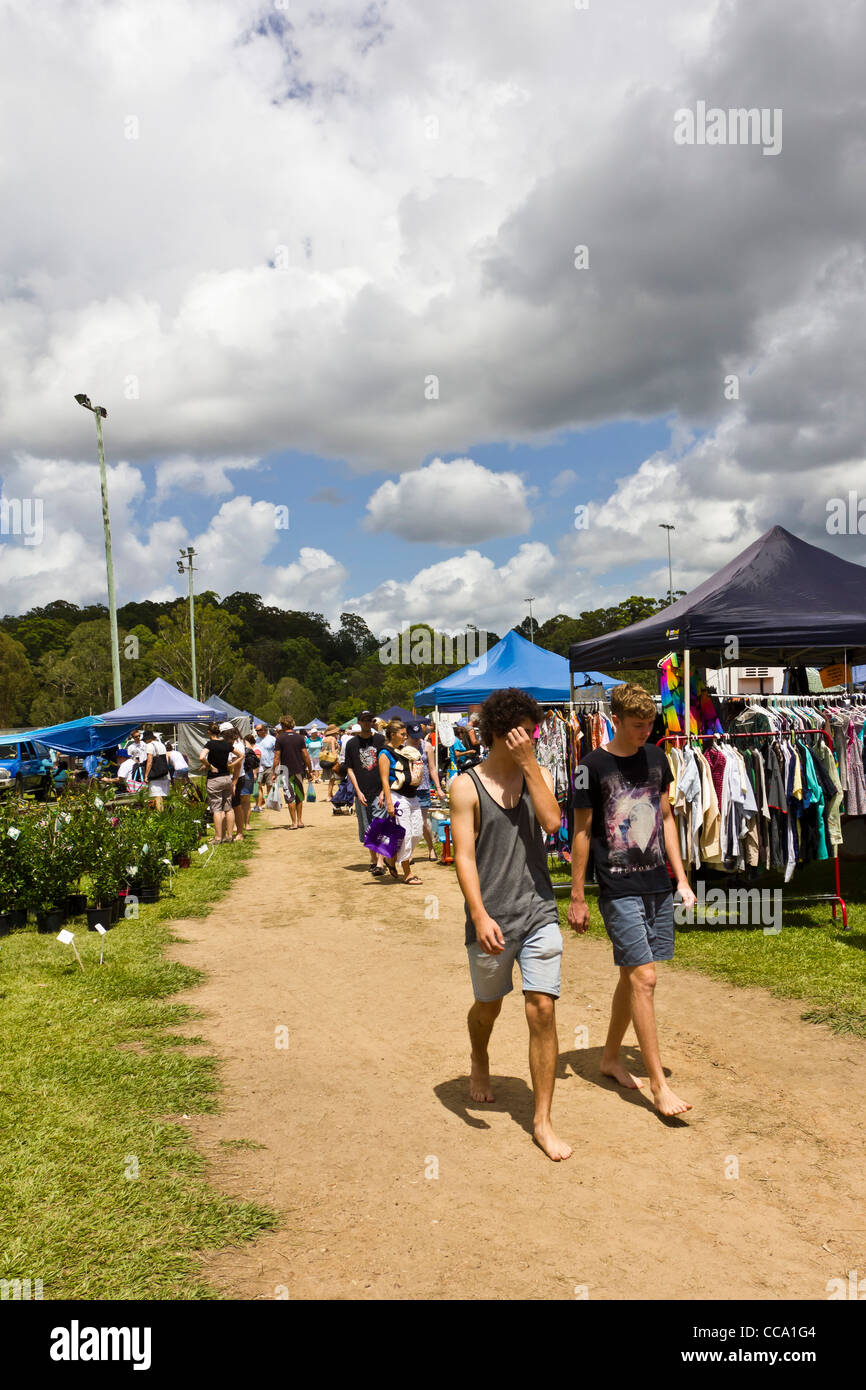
x: 703, y: 716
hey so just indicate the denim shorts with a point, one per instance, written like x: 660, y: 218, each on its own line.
x: 539, y: 955
x: 641, y: 928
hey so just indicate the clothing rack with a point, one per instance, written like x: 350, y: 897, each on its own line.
x: 833, y: 898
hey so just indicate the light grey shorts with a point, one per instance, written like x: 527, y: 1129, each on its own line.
x: 540, y: 959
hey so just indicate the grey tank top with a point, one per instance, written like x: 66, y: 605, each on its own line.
x: 512, y: 866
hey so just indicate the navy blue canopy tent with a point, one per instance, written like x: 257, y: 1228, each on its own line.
x: 511, y: 662
x: 397, y: 712
x: 783, y: 599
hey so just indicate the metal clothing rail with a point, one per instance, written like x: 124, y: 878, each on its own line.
x: 833, y: 898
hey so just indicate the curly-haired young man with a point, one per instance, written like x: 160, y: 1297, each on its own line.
x: 500, y: 812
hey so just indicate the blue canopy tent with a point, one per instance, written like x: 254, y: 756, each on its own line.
x: 316, y: 724
x: 78, y: 737
x: 397, y: 712
x: 161, y: 703
x: 511, y: 662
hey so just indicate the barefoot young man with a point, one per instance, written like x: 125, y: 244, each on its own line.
x: 500, y: 812
x: 623, y: 811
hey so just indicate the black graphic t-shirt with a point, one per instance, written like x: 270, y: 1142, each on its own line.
x: 627, y: 831
x: 362, y: 756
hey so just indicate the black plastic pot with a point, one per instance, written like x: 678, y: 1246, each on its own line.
x: 97, y: 915
x: 19, y: 916
x: 49, y: 920
x: 74, y: 904
x: 150, y: 893
x: 115, y: 911
x: 5, y: 923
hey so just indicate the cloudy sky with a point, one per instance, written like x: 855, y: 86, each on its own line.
x: 325, y: 259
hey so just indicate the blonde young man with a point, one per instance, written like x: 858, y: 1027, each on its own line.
x: 623, y: 812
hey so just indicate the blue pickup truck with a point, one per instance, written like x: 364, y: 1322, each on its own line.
x: 20, y: 758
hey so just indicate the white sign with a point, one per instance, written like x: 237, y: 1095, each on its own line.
x: 13, y: 832
x: 66, y: 937
x: 100, y: 928
x: 98, y: 802
x: 202, y: 849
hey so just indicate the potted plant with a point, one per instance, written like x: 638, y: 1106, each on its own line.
x: 13, y: 913
x: 50, y: 870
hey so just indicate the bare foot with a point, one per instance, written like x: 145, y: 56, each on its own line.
x: 479, y: 1081
x: 618, y: 1072
x: 667, y: 1103
x: 547, y: 1140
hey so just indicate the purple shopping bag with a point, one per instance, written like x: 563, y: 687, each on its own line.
x: 384, y: 836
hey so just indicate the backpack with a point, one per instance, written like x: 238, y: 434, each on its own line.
x: 251, y: 762
x: 409, y: 770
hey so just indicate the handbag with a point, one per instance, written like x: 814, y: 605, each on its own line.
x: 384, y: 836
x: 311, y: 792
x: 274, y: 801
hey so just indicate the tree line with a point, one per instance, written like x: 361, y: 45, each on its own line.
x: 55, y: 661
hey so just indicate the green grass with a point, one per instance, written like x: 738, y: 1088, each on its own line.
x: 811, y: 960
x: 82, y: 1111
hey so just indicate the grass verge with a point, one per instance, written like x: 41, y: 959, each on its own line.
x: 811, y: 959
x: 103, y: 1196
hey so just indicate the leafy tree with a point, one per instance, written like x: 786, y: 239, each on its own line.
x: 217, y: 652
x: 295, y: 699
x: 17, y: 682
x: 79, y: 682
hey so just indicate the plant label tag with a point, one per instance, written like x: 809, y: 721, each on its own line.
x: 98, y: 802
x: 13, y: 832
x: 202, y: 849
x: 66, y: 937
x: 100, y: 928
x: 144, y: 849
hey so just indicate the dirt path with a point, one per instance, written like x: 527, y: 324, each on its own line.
x: 369, y: 1100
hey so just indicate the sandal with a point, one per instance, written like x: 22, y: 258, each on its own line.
x: 392, y: 870
x: 378, y: 871
x: 412, y: 880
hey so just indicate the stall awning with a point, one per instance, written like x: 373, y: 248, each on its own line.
x: 785, y: 601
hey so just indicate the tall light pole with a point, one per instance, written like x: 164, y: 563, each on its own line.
x: 530, y: 601
x: 101, y: 414
x: 667, y: 526
x: 181, y: 569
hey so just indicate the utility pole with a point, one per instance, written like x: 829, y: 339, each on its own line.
x: 668, y: 526
x: 182, y: 569
x: 530, y: 601
x: 101, y: 414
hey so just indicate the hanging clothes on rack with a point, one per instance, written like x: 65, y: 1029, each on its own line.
x: 551, y: 750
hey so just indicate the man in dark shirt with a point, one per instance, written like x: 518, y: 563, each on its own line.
x: 362, y: 765
x: 290, y: 754
x: 622, y: 805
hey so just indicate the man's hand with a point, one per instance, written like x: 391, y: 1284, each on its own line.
x: 521, y: 746
x: 578, y: 915
x: 489, y: 936
x: 686, y: 893
x: 362, y: 798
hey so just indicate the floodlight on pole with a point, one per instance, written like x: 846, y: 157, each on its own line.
x: 100, y: 414
x: 669, y: 526
x: 182, y: 567
x: 530, y: 601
